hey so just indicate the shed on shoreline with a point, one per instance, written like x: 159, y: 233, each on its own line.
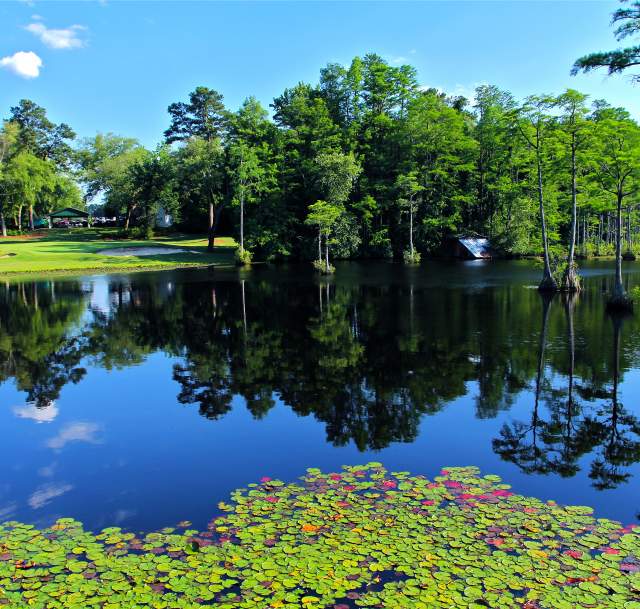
x: 468, y: 248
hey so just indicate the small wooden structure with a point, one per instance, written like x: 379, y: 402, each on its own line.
x: 468, y: 248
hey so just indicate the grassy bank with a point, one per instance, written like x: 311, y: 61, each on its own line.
x: 78, y: 250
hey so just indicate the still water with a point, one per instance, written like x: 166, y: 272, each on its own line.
x: 142, y: 400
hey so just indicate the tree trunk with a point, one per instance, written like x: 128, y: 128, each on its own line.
x: 3, y: 224
x: 548, y: 283
x: 326, y: 254
x: 619, y: 298
x: 127, y: 220
x: 242, y: 223
x: 600, y: 229
x: 19, y: 218
x: 212, y: 224
x: 31, y: 227
x: 319, y: 245
x: 570, y: 279
x: 411, y: 231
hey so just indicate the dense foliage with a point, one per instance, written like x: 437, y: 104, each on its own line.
x: 365, y: 163
x: 360, y: 538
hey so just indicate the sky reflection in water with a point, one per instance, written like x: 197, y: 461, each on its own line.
x: 142, y: 400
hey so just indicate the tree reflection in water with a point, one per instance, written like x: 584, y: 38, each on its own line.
x: 368, y: 360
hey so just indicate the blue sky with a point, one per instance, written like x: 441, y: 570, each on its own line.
x: 115, y: 66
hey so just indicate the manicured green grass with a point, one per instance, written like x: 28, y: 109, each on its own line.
x: 73, y: 250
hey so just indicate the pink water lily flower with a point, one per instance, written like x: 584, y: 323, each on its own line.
x: 502, y: 493
x: 452, y: 484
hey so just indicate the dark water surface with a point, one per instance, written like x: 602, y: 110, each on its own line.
x: 142, y: 400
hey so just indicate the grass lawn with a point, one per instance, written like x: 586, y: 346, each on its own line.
x: 73, y: 250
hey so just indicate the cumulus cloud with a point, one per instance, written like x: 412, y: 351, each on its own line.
x: 74, y: 432
x: 64, y: 38
x: 39, y: 415
x: 23, y: 63
x: 45, y: 494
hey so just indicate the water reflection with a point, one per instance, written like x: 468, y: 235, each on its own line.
x: 369, y: 358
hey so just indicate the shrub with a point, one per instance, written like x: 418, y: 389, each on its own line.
x: 243, y: 257
x: 410, y: 258
x: 321, y: 267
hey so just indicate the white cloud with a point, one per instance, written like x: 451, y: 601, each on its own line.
x: 39, y: 415
x: 396, y: 61
x: 65, y: 38
x: 23, y: 63
x: 45, y: 494
x: 74, y: 432
x: 459, y: 90
x: 37, y: 17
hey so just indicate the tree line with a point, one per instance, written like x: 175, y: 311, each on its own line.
x: 365, y: 163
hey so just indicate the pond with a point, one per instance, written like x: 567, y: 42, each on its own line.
x: 143, y: 400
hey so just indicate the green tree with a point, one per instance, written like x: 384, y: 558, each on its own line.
x: 26, y: 177
x: 103, y: 159
x: 618, y: 172
x: 41, y: 137
x: 536, y: 126
x: 324, y: 216
x: 251, y: 161
x: 154, y: 188
x: 574, y: 130
x: 616, y: 62
x: 409, y: 191
x: 202, y: 185
x: 8, y: 140
x: 204, y: 116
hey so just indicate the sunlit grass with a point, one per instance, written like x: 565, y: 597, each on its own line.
x: 78, y: 249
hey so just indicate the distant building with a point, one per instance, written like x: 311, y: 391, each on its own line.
x: 163, y: 219
x: 468, y: 248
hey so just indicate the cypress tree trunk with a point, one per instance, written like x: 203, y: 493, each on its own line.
x: 3, y: 224
x: 570, y: 280
x: 619, y: 298
x: 31, y: 217
x: 548, y: 283
x: 326, y: 254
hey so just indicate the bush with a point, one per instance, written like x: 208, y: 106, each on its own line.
x: 243, y: 257
x: 321, y: 267
x: 136, y: 232
x: 410, y: 258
